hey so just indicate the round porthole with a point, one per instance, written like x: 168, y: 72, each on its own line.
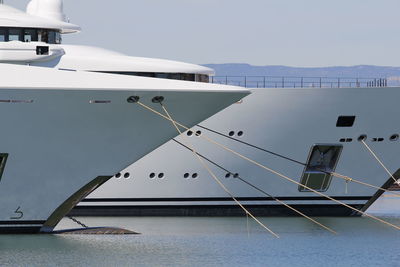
x: 240, y: 133
x: 127, y: 175
x: 194, y: 175
x: 231, y: 133
x: 118, y: 175
x: 227, y: 175
x: 189, y: 133
x: 236, y: 175
x: 394, y: 137
x: 198, y: 133
x: 161, y: 175
x: 362, y: 137
x: 152, y: 175
x: 157, y: 99
x: 133, y: 99
x: 186, y: 175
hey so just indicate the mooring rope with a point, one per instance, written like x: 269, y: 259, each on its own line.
x: 217, y: 180
x: 379, y: 161
x: 270, y: 170
x: 335, y: 174
x: 260, y: 190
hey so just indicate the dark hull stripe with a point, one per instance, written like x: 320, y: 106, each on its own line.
x: 213, y: 210
x: 21, y: 222
x: 20, y: 230
x: 209, y: 199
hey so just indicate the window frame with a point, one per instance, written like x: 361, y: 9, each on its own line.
x: 308, y: 171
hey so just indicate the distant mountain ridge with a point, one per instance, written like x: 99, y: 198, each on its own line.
x: 362, y: 71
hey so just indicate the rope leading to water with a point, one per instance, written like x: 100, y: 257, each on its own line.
x: 379, y: 161
x: 270, y: 170
x: 334, y: 174
x: 260, y: 190
x: 217, y: 180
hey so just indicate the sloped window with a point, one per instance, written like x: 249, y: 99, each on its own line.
x: 322, y: 161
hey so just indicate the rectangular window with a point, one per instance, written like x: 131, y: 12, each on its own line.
x: 14, y: 34
x: 30, y: 35
x: 3, y: 160
x: 322, y: 161
x: 52, y: 37
x: 345, y: 121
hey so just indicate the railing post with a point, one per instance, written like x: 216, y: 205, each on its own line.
x: 301, y: 82
x: 226, y: 80
x: 264, y: 82
x: 283, y: 82
x: 245, y: 81
x: 320, y: 82
x: 338, y: 83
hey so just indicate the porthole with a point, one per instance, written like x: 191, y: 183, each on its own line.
x: 186, y: 175
x: 118, y: 175
x: 189, y: 133
x: 380, y: 139
x: 362, y: 137
x: 394, y: 137
x: 236, y: 175
x: 161, y: 175
x: 349, y: 140
x: 198, y: 133
x: 342, y: 140
x: 157, y: 99
x: 227, y: 175
x: 133, y: 99
x: 231, y: 133
x: 127, y: 175
x: 194, y: 175
x: 152, y: 175
x: 240, y: 133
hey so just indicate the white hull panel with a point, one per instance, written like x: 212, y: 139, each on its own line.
x: 57, y: 142
x: 285, y: 121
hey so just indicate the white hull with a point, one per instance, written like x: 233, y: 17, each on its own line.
x: 58, y: 142
x: 285, y: 121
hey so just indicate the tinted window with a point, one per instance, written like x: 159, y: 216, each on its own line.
x: 345, y: 121
x: 30, y: 35
x: 52, y: 37
x: 14, y: 34
x: 2, y: 35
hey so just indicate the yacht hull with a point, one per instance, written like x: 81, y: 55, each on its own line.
x: 284, y: 121
x: 59, y: 140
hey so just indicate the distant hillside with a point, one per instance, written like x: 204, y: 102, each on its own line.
x: 362, y: 71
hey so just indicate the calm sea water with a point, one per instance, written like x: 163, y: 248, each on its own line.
x: 168, y: 241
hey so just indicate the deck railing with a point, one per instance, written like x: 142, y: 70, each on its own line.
x: 298, y: 82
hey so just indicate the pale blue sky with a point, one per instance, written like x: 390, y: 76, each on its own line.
x: 259, y: 32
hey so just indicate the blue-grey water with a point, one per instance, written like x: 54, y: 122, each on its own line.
x: 174, y: 241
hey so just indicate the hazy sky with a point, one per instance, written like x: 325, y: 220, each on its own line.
x: 259, y: 32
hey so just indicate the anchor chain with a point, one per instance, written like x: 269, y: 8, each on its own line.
x: 77, y: 221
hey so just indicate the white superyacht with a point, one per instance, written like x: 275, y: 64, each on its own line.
x: 65, y: 132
